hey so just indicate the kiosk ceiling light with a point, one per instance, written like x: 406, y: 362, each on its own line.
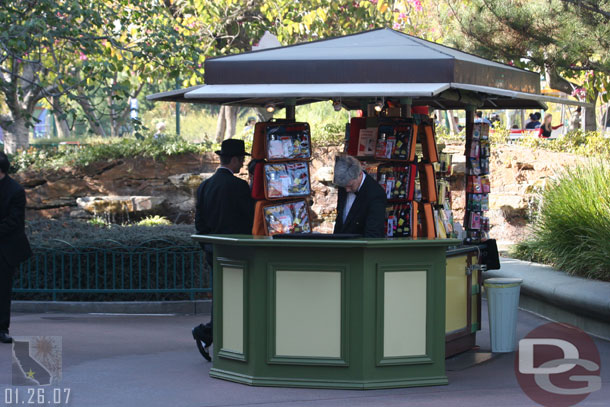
x: 379, y: 106
x: 270, y: 107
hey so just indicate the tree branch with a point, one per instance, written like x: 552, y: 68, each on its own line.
x: 589, y: 6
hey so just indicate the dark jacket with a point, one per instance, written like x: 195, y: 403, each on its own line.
x: 14, y: 245
x: 367, y: 214
x: 224, y: 205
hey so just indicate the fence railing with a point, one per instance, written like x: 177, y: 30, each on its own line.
x: 110, y: 267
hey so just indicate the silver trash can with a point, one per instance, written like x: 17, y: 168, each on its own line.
x: 502, y: 306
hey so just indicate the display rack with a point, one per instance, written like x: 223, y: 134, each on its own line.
x: 281, y: 186
x: 477, y: 185
x: 401, y: 153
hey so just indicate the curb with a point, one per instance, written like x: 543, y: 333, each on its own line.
x: 115, y: 307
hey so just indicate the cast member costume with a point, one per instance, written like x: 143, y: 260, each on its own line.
x: 367, y: 214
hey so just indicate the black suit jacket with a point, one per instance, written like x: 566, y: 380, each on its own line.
x: 224, y: 205
x: 14, y: 245
x: 367, y: 214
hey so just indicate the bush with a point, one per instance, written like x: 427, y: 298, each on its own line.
x: 589, y: 144
x: 136, y: 259
x: 156, y: 220
x: 103, y: 149
x: 572, y: 228
x: 57, y: 233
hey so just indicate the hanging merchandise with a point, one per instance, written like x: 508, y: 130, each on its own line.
x: 397, y: 181
x: 287, y: 217
x: 477, y: 184
x: 281, y: 150
x: 279, y: 140
x: 398, y: 220
x: 396, y: 142
x: 285, y: 180
x: 288, y: 141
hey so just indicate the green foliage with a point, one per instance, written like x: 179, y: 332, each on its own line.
x: 572, y: 228
x: 80, y: 255
x: 87, y: 59
x: 327, y: 126
x: 155, y: 220
x: 99, y: 222
x: 565, y: 40
x: 103, y: 149
x: 56, y: 233
x: 588, y: 144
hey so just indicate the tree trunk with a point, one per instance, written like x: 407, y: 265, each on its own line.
x: 16, y: 136
x: 63, y: 130
x: 231, y: 119
x: 91, y: 116
x: 227, y: 123
x: 221, y: 125
x: 452, y: 123
x: 589, y: 122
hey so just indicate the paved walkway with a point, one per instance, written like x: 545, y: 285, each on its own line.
x: 118, y: 360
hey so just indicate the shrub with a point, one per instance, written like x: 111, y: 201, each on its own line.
x: 79, y: 256
x: 572, y: 228
x: 589, y: 144
x: 102, y: 149
x: 98, y: 221
x: 51, y: 232
x: 155, y: 220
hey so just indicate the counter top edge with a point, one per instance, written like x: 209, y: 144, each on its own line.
x: 245, y: 240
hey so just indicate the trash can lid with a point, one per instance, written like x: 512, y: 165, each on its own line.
x: 503, y: 282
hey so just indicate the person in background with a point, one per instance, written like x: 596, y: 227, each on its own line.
x: 224, y: 206
x: 361, y: 200
x: 547, y: 128
x: 14, y: 244
x: 535, y: 122
x: 478, y: 118
x: 160, y: 133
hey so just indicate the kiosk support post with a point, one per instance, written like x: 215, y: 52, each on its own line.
x: 405, y: 107
x: 290, y: 108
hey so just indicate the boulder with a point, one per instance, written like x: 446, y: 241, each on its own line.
x: 119, y: 204
x: 188, y: 182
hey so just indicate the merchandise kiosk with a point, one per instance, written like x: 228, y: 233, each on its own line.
x: 364, y: 313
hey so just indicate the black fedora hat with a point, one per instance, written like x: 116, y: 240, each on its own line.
x: 232, y: 147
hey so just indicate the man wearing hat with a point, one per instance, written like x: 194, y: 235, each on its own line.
x: 224, y: 206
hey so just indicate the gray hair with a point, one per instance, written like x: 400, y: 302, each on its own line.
x: 347, y: 168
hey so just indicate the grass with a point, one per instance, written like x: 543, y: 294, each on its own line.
x: 571, y: 231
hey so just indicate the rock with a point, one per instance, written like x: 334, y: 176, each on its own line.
x: 79, y: 214
x: 325, y: 174
x: 189, y: 181
x: 119, y: 204
x: 521, y: 166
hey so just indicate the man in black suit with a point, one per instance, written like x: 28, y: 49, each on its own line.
x: 14, y: 245
x: 224, y: 206
x: 361, y: 202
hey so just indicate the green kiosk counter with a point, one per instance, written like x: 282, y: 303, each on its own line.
x: 348, y: 314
